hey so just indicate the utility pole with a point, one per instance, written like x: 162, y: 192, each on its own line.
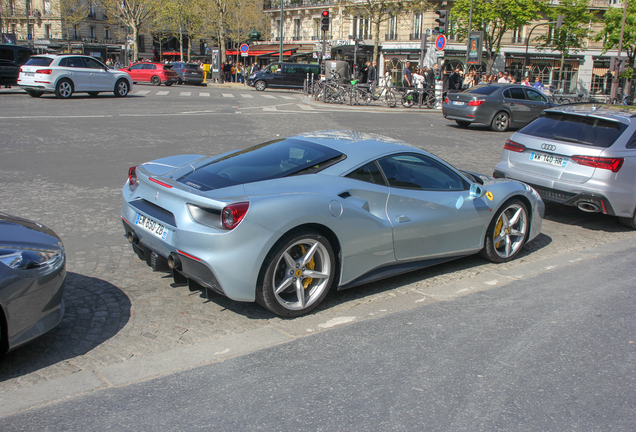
x: 614, y: 91
x: 28, y: 12
x: 282, y: 21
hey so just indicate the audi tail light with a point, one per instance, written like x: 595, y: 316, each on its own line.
x: 476, y: 102
x: 612, y: 164
x: 132, y: 176
x: 446, y: 101
x: 514, y: 147
x: 44, y: 71
x: 233, y: 214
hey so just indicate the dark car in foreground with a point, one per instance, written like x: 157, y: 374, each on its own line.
x: 188, y: 73
x: 32, y: 273
x: 283, y: 222
x: 501, y: 106
x: 282, y: 76
x: 11, y: 58
x: 578, y: 155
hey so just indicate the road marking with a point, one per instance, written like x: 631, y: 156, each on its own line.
x: 269, y: 96
x: 228, y: 95
x: 185, y: 94
x: 142, y: 92
x: 288, y: 97
x: 305, y: 107
x: 269, y: 108
x: 247, y: 96
x: 204, y: 94
x: 162, y: 93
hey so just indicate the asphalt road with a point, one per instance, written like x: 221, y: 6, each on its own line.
x: 63, y: 163
x: 532, y: 355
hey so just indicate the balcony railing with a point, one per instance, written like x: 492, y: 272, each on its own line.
x: 297, y: 37
x: 391, y: 36
x: 518, y: 40
x: 292, y: 4
x: 415, y: 36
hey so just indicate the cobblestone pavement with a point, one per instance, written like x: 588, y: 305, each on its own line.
x: 117, y: 308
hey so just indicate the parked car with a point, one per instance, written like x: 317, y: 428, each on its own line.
x: 284, y: 221
x: 499, y: 105
x: 11, y: 58
x: 32, y: 273
x: 282, y: 75
x: 71, y: 73
x: 188, y: 73
x: 155, y: 73
x: 578, y: 155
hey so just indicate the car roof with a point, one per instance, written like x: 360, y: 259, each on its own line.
x: 590, y: 109
x: 356, y: 143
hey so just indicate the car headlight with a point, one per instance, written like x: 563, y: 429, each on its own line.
x: 26, y: 259
x: 251, y: 76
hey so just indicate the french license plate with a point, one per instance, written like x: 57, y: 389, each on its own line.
x: 152, y: 226
x: 29, y: 74
x: 458, y: 103
x: 549, y: 159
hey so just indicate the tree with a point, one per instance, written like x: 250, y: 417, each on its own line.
x: 72, y: 14
x: 245, y: 16
x: 133, y: 13
x: 610, y: 35
x: 573, y: 34
x: 494, y: 18
x: 381, y: 11
x: 170, y: 16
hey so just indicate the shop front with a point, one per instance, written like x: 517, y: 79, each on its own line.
x: 548, y: 68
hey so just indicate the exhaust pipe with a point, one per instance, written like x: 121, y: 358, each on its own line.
x: 132, y: 238
x: 588, y: 207
x: 174, y: 262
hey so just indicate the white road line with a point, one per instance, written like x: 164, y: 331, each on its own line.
x: 287, y: 97
x: 204, y: 94
x: 185, y: 94
x: 228, y: 95
x: 269, y: 108
x: 305, y: 107
x: 269, y: 96
x: 247, y: 96
x: 142, y: 92
x: 162, y: 93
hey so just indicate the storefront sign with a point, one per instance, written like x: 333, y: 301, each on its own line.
x: 474, y: 48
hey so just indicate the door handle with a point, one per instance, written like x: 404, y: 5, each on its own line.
x: 403, y: 218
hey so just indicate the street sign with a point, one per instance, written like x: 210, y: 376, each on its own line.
x: 30, y: 37
x: 440, y: 42
x: 439, y: 54
x: 245, y: 50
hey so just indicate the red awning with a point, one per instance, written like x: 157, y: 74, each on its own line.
x: 171, y: 53
x: 253, y: 53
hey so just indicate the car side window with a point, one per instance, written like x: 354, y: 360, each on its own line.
x: 136, y: 67
x: 419, y: 172
x: 632, y: 142
x: 535, y: 96
x: 93, y: 64
x: 23, y: 56
x: 150, y: 66
x: 514, y: 93
x: 369, y: 173
x: 75, y: 62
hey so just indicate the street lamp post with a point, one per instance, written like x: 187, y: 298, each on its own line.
x: 525, y: 57
x: 282, y: 18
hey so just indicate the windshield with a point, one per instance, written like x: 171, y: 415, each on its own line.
x: 274, y: 159
x: 592, y: 131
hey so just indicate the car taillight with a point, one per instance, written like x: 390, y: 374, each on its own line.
x: 476, y: 103
x: 515, y: 147
x: 446, y: 100
x: 160, y: 183
x: 20, y: 68
x: 233, y: 214
x: 132, y: 176
x: 612, y: 164
x: 44, y: 71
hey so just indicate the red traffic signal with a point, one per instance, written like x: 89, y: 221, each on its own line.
x: 324, y: 21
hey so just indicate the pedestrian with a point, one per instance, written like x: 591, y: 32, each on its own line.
x: 469, y: 80
x: 388, y: 81
x: 372, y: 76
x: 538, y: 84
x: 454, y: 81
x: 232, y: 72
x: 526, y: 81
x: 407, y: 76
x: 246, y: 73
x: 239, y: 73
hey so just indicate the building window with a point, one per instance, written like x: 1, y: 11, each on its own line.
x: 12, y: 8
x: 91, y: 11
x: 47, y: 7
x: 141, y: 45
x: 106, y: 33
x: 417, y: 26
x: 47, y: 31
x: 361, y: 28
x: 317, y: 32
x: 516, y: 36
x: 297, y: 32
x: 278, y: 29
x: 76, y: 32
x: 392, y: 28
x: 91, y: 32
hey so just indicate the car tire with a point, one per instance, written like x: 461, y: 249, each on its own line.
x: 500, y: 122
x: 93, y: 94
x: 462, y: 124
x: 260, y: 85
x: 169, y: 83
x: 64, y: 89
x: 35, y: 93
x: 629, y: 222
x: 284, y: 285
x: 507, y: 232
x: 155, y: 80
x: 121, y: 88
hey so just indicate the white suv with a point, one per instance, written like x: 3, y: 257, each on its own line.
x: 70, y: 73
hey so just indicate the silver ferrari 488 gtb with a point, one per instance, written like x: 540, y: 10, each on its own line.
x: 282, y: 222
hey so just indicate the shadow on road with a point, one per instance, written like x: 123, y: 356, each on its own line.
x: 573, y: 216
x: 95, y: 312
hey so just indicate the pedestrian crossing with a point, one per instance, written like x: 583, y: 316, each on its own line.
x: 234, y: 95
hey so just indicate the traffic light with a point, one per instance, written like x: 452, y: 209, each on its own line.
x: 441, y: 21
x: 324, y: 21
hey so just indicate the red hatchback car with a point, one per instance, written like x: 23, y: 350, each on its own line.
x: 155, y: 73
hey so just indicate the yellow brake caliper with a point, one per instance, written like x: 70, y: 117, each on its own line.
x: 311, y: 265
x: 498, y: 230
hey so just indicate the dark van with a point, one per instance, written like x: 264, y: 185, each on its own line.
x: 11, y: 58
x: 282, y: 75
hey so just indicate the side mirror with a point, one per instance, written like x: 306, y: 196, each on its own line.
x: 476, y: 191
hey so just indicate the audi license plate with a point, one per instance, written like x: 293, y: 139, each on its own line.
x: 549, y: 159
x: 29, y: 74
x: 154, y: 227
x: 458, y: 103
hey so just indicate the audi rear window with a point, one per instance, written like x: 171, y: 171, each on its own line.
x: 39, y: 61
x: 192, y: 67
x: 483, y: 90
x: 586, y: 130
x: 274, y: 159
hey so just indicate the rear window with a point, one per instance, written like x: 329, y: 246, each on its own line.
x: 483, y: 90
x: 585, y: 130
x: 192, y: 67
x: 6, y: 54
x: 274, y: 159
x: 39, y: 61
